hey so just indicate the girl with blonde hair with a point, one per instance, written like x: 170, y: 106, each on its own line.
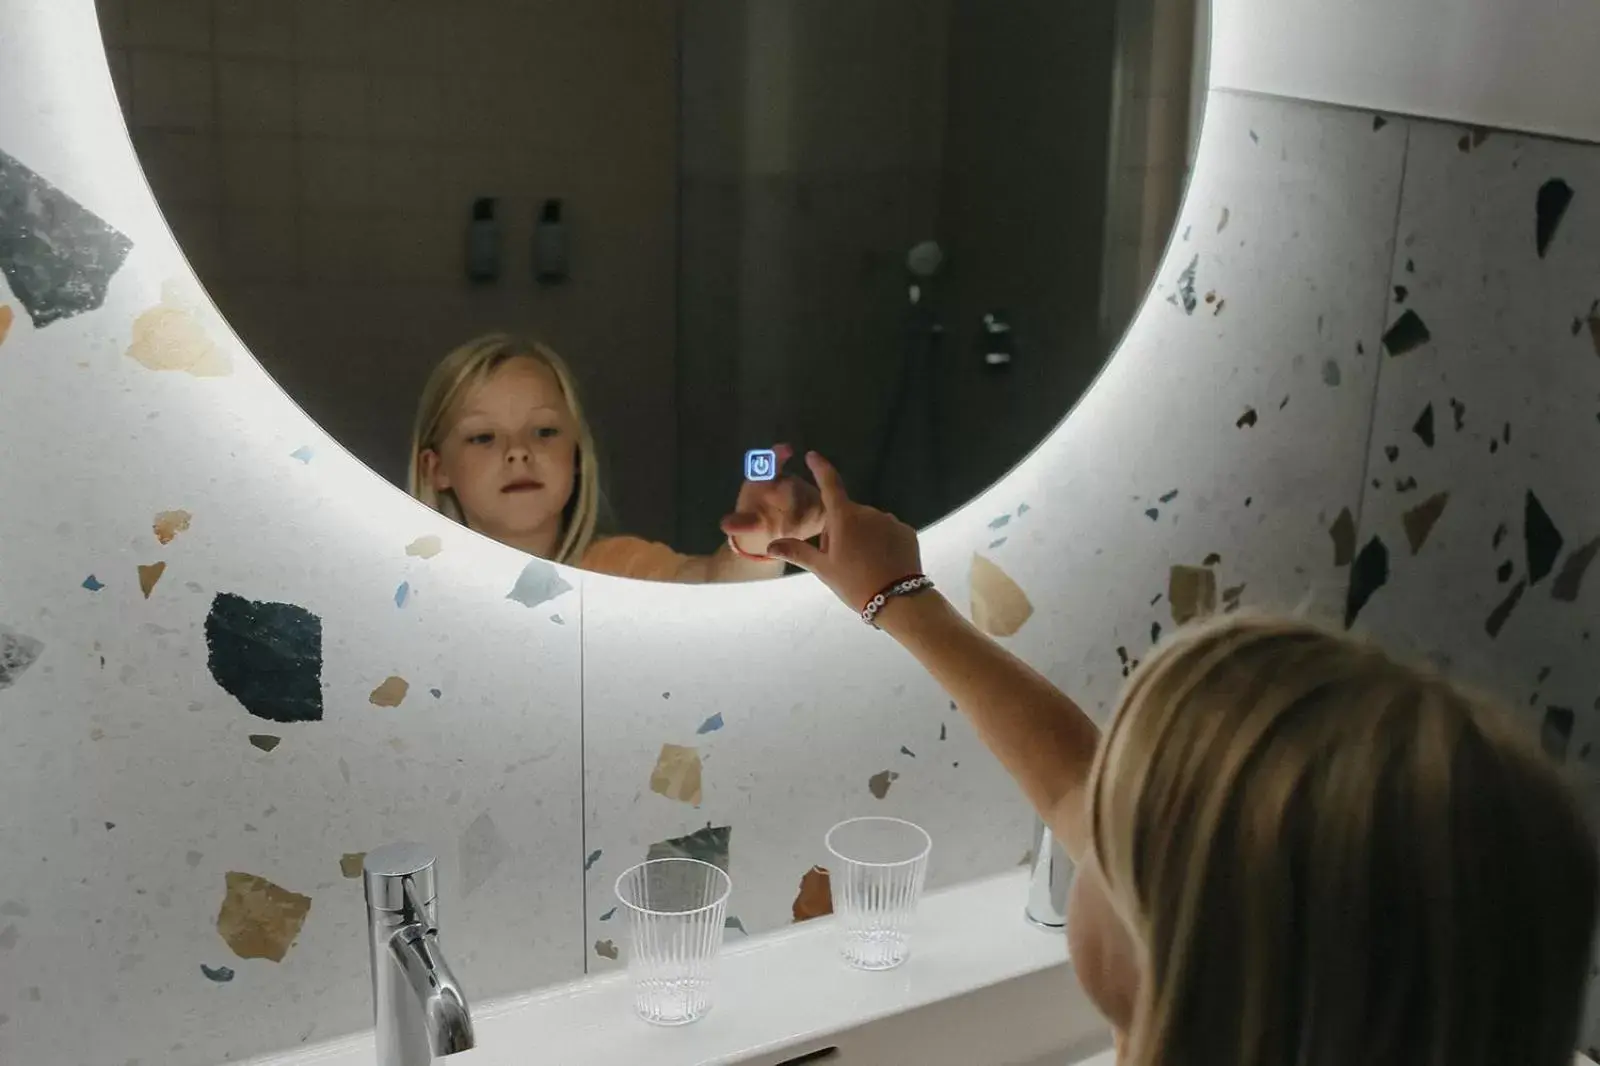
x: 1291, y: 849
x: 501, y: 445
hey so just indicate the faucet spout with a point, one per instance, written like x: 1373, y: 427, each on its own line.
x: 419, y: 1010
x: 445, y: 1015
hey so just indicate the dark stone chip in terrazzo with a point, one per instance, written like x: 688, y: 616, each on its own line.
x: 1407, y: 334
x: 1569, y: 582
x: 1556, y: 732
x: 1369, y: 573
x: 1498, y: 617
x: 1541, y: 538
x: 18, y: 651
x: 1555, y: 196
x: 56, y: 254
x: 268, y: 656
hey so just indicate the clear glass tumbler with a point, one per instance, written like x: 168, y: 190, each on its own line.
x: 880, y: 866
x: 676, y: 909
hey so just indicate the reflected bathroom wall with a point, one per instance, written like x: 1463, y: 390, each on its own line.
x: 317, y: 160
x: 1158, y: 97
x: 1023, y: 204
x: 812, y: 155
x: 823, y: 142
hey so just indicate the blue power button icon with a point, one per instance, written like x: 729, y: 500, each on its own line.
x: 760, y: 464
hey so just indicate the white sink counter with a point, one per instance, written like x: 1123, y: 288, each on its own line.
x: 788, y: 993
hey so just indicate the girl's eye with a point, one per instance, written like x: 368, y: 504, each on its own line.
x: 480, y: 438
x: 546, y: 432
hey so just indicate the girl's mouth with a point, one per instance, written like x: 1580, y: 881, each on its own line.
x: 524, y: 485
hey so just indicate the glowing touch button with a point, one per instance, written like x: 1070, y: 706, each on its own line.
x: 760, y: 464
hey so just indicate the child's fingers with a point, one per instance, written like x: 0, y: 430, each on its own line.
x: 797, y: 552
x: 741, y: 522
x: 829, y: 483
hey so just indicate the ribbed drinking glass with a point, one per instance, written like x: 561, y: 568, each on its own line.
x: 879, y: 868
x: 676, y: 909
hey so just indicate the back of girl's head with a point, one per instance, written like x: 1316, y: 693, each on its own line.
x: 1330, y: 858
x: 453, y: 379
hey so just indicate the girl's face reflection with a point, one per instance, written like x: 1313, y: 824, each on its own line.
x: 508, y: 453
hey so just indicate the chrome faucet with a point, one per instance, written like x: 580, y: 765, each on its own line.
x: 1052, y: 877
x: 419, y: 1010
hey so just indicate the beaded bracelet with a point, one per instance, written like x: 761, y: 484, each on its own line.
x: 906, y: 586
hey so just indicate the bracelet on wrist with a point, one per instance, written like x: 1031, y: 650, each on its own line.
x: 909, y: 585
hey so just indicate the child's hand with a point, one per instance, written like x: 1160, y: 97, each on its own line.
x: 783, y: 509
x: 863, y: 551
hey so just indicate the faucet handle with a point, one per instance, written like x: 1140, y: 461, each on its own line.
x: 395, y: 872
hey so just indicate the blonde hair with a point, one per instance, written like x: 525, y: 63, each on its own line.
x: 463, y: 370
x: 1329, y: 858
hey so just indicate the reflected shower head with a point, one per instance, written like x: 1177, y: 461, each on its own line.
x: 925, y: 259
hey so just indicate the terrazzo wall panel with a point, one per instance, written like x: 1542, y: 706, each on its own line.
x: 1480, y: 520
x: 233, y: 659
x: 212, y: 701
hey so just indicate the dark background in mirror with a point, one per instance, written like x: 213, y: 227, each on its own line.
x: 742, y: 184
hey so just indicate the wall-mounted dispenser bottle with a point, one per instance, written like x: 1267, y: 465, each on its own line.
x: 483, y: 242
x: 995, y: 342
x: 550, y: 245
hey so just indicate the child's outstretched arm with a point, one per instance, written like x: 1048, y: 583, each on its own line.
x: 1039, y: 734
x: 725, y: 564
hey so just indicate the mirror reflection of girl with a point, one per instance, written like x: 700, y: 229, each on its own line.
x: 1290, y: 847
x: 501, y: 445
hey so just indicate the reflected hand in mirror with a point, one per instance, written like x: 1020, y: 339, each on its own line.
x: 785, y: 508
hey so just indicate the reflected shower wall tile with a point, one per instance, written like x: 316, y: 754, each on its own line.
x: 656, y: 665
x: 182, y: 165
x: 416, y: 247
x: 324, y: 29
x: 171, y: 24
x: 331, y: 102
x: 199, y: 233
x: 113, y: 17
x: 335, y: 174
x: 406, y: 106
x: 172, y: 91
x: 408, y: 178
x: 257, y: 172
x: 710, y: 283
x: 337, y: 246
x: 254, y: 28
x: 255, y: 96
x: 261, y: 246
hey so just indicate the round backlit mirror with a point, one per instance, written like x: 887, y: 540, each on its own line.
x: 905, y: 233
